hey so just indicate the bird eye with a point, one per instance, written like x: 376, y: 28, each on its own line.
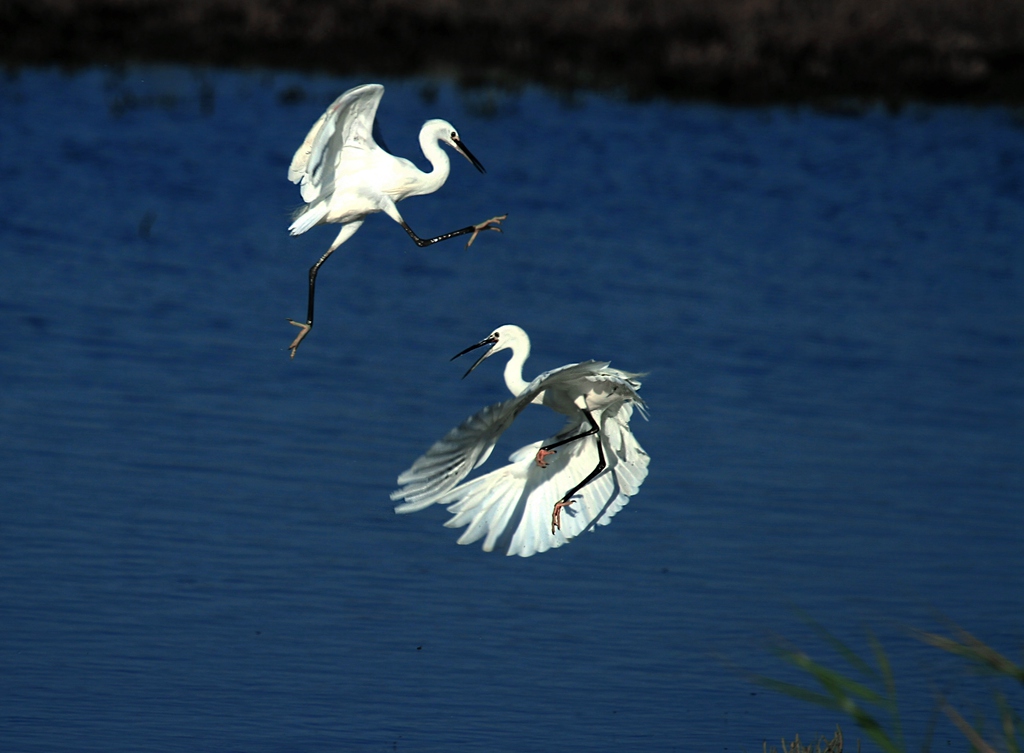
x: 455, y: 136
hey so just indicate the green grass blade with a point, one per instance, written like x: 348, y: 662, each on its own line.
x: 972, y: 735
x: 890, y: 685
x: 976, y: 651
x: 842, y: 649
x: 841, y: 694
x: 835, y: 682
x: 1009, y: 719
x: 799, y: 692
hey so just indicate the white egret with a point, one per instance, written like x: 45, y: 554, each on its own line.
x: 587, y: 471
x: 344, y: 175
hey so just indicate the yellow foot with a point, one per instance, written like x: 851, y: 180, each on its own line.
x: 491, y: 224
x: 541, y: 454
x: 556, y: 514
x: 301, y: 336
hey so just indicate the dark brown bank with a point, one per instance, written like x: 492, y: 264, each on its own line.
x: 739, y: 51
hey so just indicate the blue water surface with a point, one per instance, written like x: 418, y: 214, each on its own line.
x: 198, y: 548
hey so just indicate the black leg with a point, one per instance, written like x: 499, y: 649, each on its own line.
x: 592, y: 430
x: 309, y: 308
x: 556, y: 513
x: 550, y: 449
x: 491, y: 224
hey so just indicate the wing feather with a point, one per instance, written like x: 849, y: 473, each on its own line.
x: 510, y: 507
x: 452, y: 457
x: 470, y: 443
x: 347, y: 123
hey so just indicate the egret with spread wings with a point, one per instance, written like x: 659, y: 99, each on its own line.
x: 553, y: 490
x: 344, y: 175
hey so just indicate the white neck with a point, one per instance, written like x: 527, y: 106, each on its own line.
x: 514, y: 368
x: 438, y: 159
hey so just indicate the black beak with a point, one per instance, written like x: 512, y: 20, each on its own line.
x: 469, y: 155
x: 486, y: 341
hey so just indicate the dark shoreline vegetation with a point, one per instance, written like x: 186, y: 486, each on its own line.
x: 731, y: 51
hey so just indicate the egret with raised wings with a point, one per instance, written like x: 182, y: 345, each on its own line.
x: 344, y: 175
x: 551, y: 490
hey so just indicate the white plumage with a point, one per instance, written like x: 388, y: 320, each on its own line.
x: 543, y: 497
x: 344, y: 176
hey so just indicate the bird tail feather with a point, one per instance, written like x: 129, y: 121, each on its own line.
x: 308, y: 216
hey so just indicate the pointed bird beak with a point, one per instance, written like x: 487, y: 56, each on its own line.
x: 468, y: 155
x: 486, y: 341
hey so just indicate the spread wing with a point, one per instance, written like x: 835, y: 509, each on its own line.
x: 343, y: 132
x: 512, y: 506
x: 470, y: 443
x: 452, y: 457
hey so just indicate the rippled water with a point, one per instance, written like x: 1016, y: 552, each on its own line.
x: 199, y: 552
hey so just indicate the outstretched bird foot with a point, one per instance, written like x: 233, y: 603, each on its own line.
x: 556, y: 514
x: 301, y: 336
x: 491, y: 224
x: 541, y: 454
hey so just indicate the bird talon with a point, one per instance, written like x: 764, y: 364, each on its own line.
x: 541, y: 454
x: 556, y: 514
x: 305, y: 327
x: 485, y: 225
